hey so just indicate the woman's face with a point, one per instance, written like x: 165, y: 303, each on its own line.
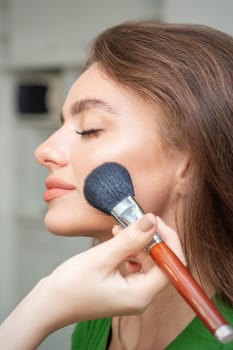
x: 118, y: 126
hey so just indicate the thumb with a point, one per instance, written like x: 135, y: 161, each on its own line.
x: 131, y: 240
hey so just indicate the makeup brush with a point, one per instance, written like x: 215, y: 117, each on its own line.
x: 109, y: 188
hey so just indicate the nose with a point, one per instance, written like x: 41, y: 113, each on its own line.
x: 51, y: 152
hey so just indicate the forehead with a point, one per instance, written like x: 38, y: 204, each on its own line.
x: 94, y: 84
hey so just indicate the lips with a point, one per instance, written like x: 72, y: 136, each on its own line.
x: 56, y: 187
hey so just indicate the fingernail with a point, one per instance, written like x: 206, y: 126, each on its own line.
x: 145, y: 224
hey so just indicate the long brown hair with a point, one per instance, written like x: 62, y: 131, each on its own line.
x: 188, y: 71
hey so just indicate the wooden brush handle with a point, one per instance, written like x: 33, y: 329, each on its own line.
x: 186, y: 285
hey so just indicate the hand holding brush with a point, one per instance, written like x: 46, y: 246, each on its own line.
x: 109, y: 188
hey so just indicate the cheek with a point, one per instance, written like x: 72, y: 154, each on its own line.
x: 146, y: 165
x: 88, y: 157
x: 152, y: 197
x: 139, y: 164
x: 153, y: 185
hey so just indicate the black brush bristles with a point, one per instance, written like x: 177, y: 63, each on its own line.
x: 107, y: 185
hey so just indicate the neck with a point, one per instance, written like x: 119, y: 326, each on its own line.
x: 163, y: 320
x: 167, y: 316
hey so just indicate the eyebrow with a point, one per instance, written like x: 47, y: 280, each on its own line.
x: 88, y: 104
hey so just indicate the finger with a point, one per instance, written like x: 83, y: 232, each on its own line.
x: 142, y: 262
x: 129, y: 241
x: 142, y: 287
x: 147, y: 263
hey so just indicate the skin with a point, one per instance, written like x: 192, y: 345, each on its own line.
x: 129, y: 133
x: 127, y: 127
x: 66, y: 296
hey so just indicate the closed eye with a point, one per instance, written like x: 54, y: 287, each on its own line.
x: 88, y: 132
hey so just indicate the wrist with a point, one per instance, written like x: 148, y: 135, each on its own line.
x: 30, y: 322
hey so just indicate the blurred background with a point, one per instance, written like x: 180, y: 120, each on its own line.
x: 42, y: 50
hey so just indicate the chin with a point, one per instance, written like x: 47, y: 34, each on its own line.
x: 99, y: 227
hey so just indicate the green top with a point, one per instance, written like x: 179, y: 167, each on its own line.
x: 94, y: 335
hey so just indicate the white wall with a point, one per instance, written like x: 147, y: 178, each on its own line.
x: 215, y: 13
x: 58, y: 31
x: 7, y: 243
x: 45, y: 34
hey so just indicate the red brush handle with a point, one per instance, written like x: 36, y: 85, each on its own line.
x: 186, y: 285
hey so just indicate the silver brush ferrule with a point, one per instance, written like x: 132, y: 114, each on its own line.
x: 155, y: 240
x: 127, y: 211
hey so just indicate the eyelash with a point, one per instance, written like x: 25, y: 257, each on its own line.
x: 88, y: 132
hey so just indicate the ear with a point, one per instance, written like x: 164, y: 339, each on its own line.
x: 183, y: 174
